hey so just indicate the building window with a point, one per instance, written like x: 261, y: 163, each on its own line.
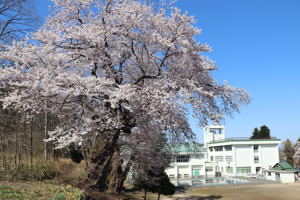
x: 269, y: 174
x: 219, y: 158
x: 215, y: 130
x: 256, y: 159
x: 228, y: 148
x: 199, y: 156
x: 211, y: 149
x: 229, y: 170
x: 209, y: 169
x: 182, y: 158
x: 171, y: 176
x: 255, y: 148
x: 179, y: 175
x: 228, y: 158
x: 219, y: 148
x: 243, y: 170
x: 186, y: 175
x: 172, y: 159
x: 211, y: 158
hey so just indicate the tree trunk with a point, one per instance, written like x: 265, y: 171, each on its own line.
x: 20, y: 150
x: 116, y: 174
x: 158, y: 196
x: 85, y: 157
x: 16, y: 148
x: 46, y: 136
x: 101, y: 167
x: 31, y: 143
x: 145, y: 194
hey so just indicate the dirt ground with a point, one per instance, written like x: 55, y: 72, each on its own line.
x: 242, y: 192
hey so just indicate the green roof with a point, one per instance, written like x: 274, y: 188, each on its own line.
x: 187, y: 148
x: 284, y: 166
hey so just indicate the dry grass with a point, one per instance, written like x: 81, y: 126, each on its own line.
x: 70, y: 172
x: 37, y: 191
x: 243, y: 192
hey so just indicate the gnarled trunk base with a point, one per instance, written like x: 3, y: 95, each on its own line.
x: 106, y: 176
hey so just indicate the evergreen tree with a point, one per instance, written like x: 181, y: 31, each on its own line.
x: 255, y: 134
x: 159, y: 184
x: 164, y: 186
x: 264, y: 132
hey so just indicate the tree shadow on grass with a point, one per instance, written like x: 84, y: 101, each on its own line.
x: 193, y: 197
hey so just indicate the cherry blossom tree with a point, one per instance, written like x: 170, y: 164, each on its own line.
x: 296, y: 156
x: 119, y: 71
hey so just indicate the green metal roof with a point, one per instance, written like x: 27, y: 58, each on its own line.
x: 284, y: 166
x: 187, y: 148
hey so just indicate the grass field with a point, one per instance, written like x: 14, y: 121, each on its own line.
x: 37, y: 191
x: 64, y: 187
x: 53, y: 191
x: 243, y: 192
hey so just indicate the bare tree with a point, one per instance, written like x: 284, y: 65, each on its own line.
x: 17, y: 18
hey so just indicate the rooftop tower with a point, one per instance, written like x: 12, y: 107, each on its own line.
x: 214, y: 133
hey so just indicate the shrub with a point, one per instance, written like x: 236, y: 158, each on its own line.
x: 67, y: 193
x: 60, y: 197
x: 75, y: 154
x: 39, y: 172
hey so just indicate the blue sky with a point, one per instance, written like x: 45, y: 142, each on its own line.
x: 256, y: 46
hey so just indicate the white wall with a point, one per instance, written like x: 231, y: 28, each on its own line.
x: 287, y: 177
x: 269, y: 155
x: 244, y: 155
x: 209, y: 136
x: 270, y: 176
x: 196, y: 161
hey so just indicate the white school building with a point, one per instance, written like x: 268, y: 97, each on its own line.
x: 221, y: 156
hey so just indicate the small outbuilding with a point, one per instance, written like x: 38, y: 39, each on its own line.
x: 283, y: 172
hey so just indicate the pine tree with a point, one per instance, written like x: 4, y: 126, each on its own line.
x: 255, y: 134
x: 264, y: 132
x: 164, y: 187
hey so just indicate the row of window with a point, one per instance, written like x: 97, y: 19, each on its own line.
x: 243, y: 170
x: 239, y: 170
x: 221, y: 158
x: 221, y: 148
x: 186, y: 158
x: 179, y: 176
x: 229, y: 159
x: 183, y: 158
x: 229, y: 148
x: 229, y: 170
